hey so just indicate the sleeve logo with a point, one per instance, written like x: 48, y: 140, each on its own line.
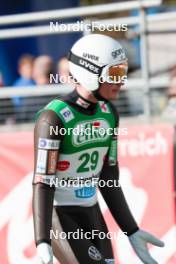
x: 41, y: 161
x: 45, y: 143
x: 67, y: 114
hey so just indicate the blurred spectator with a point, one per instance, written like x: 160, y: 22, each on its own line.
x: 25, y: 65
x: 43, y: 67
x: 2, y: 119
x: 1, y: 80
x: 63, y: 69
x: 170, y: 110
x: 25, y: 68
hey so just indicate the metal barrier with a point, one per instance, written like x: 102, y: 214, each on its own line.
x: 130, y: 102
x: 76, y: 12
x: 45, y: 30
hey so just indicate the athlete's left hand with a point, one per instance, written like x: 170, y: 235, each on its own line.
x: 139, y: 242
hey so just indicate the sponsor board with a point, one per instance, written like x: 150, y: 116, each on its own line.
x: 146, y: 178
x: 146, y: 175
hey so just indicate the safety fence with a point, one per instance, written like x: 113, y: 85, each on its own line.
x: 19, y: 105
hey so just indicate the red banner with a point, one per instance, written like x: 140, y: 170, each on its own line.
x: 147, y: 179
x: 146, y: 168
x: 16, y: 230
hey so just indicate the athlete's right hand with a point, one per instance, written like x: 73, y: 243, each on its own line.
x: 44, y: 254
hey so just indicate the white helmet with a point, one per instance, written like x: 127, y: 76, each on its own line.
x: 92, y: 56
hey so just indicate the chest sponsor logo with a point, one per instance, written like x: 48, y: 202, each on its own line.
x: 67, y: 114
x: 110, y: 261
x: 91, y: 181
x: 45, y: 143
x: 90, y: 132
x: 63, y: 165
x: 85, y: 192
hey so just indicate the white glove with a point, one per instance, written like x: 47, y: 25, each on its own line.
x: 44, y: 254
x: 139, y: 242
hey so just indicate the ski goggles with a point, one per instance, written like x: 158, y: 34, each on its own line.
x: 110, y: 73
x: 115, y: 73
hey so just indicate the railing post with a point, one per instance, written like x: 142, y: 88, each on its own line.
x: 144, y: 53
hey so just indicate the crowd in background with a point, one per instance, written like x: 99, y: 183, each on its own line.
x: 34, y: 72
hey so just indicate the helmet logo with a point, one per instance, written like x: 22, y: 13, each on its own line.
x: 88, y: 65
x: 117, y: 53
x: 90, y: 56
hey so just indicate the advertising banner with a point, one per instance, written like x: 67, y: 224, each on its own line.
x: 147, y: 179
x: 146, y: 159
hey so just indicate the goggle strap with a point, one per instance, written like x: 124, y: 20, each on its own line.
x: 89, y: 66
